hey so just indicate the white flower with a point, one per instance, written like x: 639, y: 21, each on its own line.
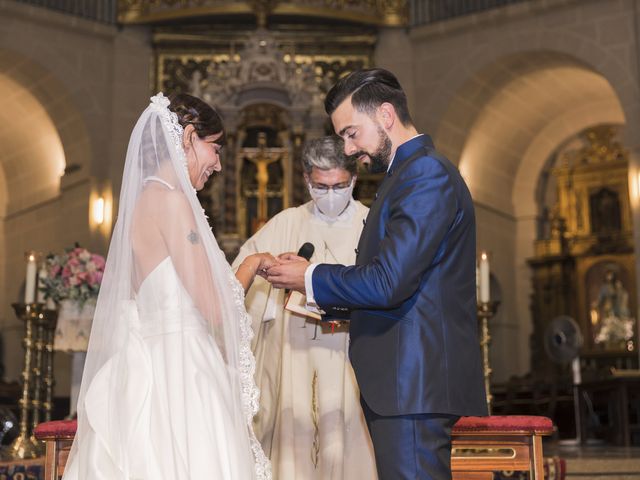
x: 160, y: 101
x: 615, y: 329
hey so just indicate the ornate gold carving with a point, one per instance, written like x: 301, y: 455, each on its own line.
x: 218, y: 77
x: 589, y: 226
x: 368, y: 12
x: 593, y: 198
x: 602, y: 147
x: 261, y: 81
x: 148, y: 11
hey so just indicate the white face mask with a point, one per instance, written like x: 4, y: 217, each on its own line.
x: 331, y: 202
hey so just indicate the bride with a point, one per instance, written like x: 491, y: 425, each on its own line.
x: 168, y: 390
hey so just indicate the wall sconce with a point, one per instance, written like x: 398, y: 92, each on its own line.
x: 97, y: 211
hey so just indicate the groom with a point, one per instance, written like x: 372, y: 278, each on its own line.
x: 411, y: 293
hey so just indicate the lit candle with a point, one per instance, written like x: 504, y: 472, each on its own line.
x: 30, y: 282
x: 484, y: 277
x: 42, y: 274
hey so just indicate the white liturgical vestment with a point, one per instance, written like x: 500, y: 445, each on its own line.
x: 310, y: 422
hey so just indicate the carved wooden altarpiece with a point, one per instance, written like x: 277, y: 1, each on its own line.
x: 585, y: 264
x: 269, y: 82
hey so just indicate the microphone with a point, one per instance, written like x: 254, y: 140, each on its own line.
x: 306, y: 250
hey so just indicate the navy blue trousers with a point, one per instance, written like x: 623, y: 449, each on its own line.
x: 411, y: 447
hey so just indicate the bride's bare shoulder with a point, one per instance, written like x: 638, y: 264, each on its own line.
x: 160, y: 197
x: 159, y: 208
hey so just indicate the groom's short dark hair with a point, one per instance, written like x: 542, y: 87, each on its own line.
x: 369, y: 89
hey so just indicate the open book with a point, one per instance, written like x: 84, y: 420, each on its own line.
x: 296, y: 303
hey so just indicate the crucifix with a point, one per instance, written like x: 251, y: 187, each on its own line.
x: 262, y: 157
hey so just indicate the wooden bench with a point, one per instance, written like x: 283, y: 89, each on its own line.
x: 481, y: 446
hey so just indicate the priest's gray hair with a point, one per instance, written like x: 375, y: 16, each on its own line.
x: 326, y: 153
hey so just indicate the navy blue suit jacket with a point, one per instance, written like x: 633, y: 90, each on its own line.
x: 412, y: 294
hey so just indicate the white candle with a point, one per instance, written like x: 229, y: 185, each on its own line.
x: 30, y: 282
x: 484, y: 277
x: 42, y: 274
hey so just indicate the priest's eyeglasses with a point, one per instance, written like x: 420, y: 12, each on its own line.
x: 322, y: 189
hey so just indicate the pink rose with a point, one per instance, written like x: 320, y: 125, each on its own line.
x: 98, y: 261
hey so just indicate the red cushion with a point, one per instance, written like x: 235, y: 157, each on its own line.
x: 505, y: 423
x: 56, y: 429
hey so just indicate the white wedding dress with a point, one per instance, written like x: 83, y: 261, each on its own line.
x: 178, y: 424
x: 167, y: 391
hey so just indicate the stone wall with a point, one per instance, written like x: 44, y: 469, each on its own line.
x: 72, y: 90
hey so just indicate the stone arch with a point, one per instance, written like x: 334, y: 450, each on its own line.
x: 501, y: 112
x: 490, y: 50
x: 44, y: 126
x: 32, y: 158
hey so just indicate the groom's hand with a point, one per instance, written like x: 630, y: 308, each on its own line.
x: 289, y: 273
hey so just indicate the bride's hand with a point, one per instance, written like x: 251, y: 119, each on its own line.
x: 266, y: 260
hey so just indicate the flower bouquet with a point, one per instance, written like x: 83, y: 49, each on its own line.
x: 75, y: 275
x: 615, y: 331
x: 72, y: 280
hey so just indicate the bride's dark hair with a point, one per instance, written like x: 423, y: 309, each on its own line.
x: 193, y: 111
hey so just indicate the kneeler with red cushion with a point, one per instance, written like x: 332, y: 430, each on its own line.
x: 482, y: 445
x: 58, y: 436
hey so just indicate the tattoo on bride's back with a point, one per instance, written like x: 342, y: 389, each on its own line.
x: 193, y: 237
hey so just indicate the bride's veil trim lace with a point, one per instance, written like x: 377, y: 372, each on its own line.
x: 116, y: 395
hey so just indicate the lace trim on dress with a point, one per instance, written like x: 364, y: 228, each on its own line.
x: 250, y: 391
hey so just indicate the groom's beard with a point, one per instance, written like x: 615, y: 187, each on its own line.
x: 381, y: 156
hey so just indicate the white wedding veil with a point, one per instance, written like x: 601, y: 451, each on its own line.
x: 116, y: 402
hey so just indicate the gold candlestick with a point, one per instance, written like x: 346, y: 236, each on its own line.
x: 26, y: 445
x: 36, y: 403
x: 486, y: 310
x: 50, y: 322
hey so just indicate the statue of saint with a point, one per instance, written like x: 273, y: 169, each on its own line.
x: 610, y: 311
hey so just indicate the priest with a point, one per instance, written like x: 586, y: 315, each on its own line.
x: 310, y: 421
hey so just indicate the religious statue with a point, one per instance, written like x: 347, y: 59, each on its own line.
x: 610, y: 311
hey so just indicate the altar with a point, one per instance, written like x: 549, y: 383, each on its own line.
x: 610, y: 409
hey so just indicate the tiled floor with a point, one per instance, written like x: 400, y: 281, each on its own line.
x: 591, y: 462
